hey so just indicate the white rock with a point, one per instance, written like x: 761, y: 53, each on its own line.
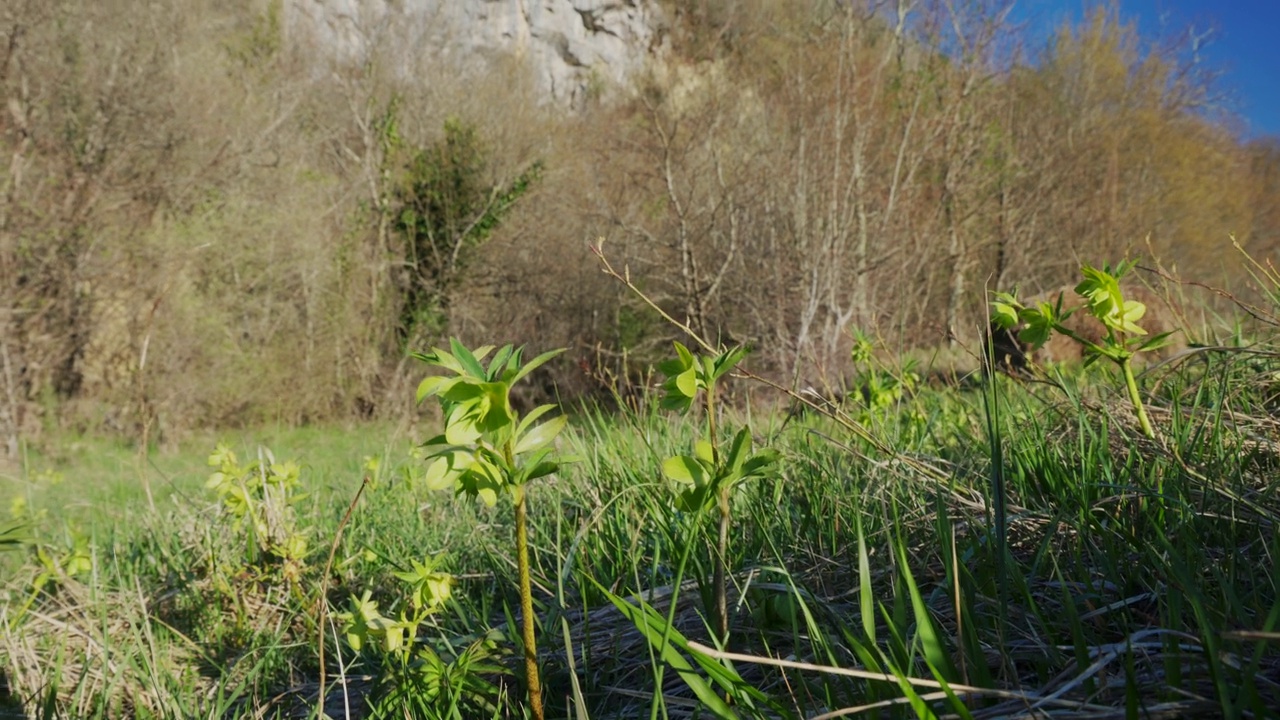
x: 574, y: 47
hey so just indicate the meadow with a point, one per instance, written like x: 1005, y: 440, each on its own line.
x: 219, y: 248
x: 920, y: 545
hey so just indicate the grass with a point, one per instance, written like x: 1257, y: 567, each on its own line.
x: 1136, y: 578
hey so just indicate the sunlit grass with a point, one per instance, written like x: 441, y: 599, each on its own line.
x: 1107, y: 597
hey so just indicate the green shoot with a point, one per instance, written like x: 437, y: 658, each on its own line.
x: 1104, y: 300
x: 487, y: 449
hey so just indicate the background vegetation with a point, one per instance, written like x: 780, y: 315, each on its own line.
x: 206, y: 230
x: 193, y: 210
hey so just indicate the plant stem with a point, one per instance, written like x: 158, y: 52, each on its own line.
x: 722, y: 544
x: 526, y: 606
x: 722, y: 548
x: 1131, y: 383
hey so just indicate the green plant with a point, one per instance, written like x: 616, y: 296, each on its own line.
x: 878, y: 386
x: 444, y: 204
x: 709, y: 475
x: 56, y: 564
x: 262, y: 497
x: 487, y: 449
x: 13, y: 535
x: 1104, y: 300
x: 413, y: 676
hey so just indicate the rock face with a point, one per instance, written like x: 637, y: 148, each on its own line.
x: 573, y: 47
x: 1013, y: 354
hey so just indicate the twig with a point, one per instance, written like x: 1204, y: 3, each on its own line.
x: 1253, y: 311
x: 861, y: 674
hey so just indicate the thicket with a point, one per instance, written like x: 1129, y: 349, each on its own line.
x: 201, y: 223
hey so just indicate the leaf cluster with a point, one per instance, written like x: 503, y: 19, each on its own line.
x: 486, y: 447
x: 701, y: 475
x: 411, y: 672
x: 363, y: 623
x: 1104, y: 301
x: 687, y: 374
x: 262, y: 497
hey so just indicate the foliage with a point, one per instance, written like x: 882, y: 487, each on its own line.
x: 487, y: 449
x: 849, y: 558
x: 13, y: 535
x: 412, y: 675
x: 879, y: 387
x: 261, y: 499
x: 1106, y: 303
x: 705, y: 479
x: 445, y: 205
x: 702, y: 477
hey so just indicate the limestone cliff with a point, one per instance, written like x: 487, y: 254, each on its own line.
x: 573, y: 47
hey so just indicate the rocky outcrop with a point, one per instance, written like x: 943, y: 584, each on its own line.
x: 573, y: 47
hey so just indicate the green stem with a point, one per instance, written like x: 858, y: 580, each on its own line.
x: 722, y: 548
x: 722, y: 544
x: 526, y: 607
x: 1131, y: 383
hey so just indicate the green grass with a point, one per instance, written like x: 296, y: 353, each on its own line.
x: 1135, y: 578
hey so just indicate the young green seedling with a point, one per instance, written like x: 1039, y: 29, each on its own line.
x: 413, y: 676
x: 709, y: 475
x: 487, y: 449
x: 1106, y: 303
x: 262, y: 497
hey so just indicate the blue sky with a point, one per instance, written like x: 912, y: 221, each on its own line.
x: 1244, y: 44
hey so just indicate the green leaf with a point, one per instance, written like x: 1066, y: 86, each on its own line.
x: 529, y: 418
x: 534, y: 364
x: 440, y: 358
x: 1156, y: 342
x: 1004, y: 315
x: 541, y: 435
x: 443, y: 472
x: 431, y: 386
x: 654, y: 628
x: 683, y: 353
x: 470, y: 365
x: 686, y: 470
x: 708, y: 369
x: 727, y: 362
x: 1128, y: 319
x: 539, y: 470
x: 704, y: 451
x: 496, y: 366
x: 462, y: 390
x: 866, y: 603
x: 676, y: 401
x: 694, y: 499
x: 740, y: 449
x: 496, y: 409
x: 687, y: 382
x: 481, y: 480
x: 460, y: 427
x: 760, y: 463
x: 1039, y: 325
x: 15, y: 535
x: 1102, y: 292
x: 935, y: 651
x: 672, y: 368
